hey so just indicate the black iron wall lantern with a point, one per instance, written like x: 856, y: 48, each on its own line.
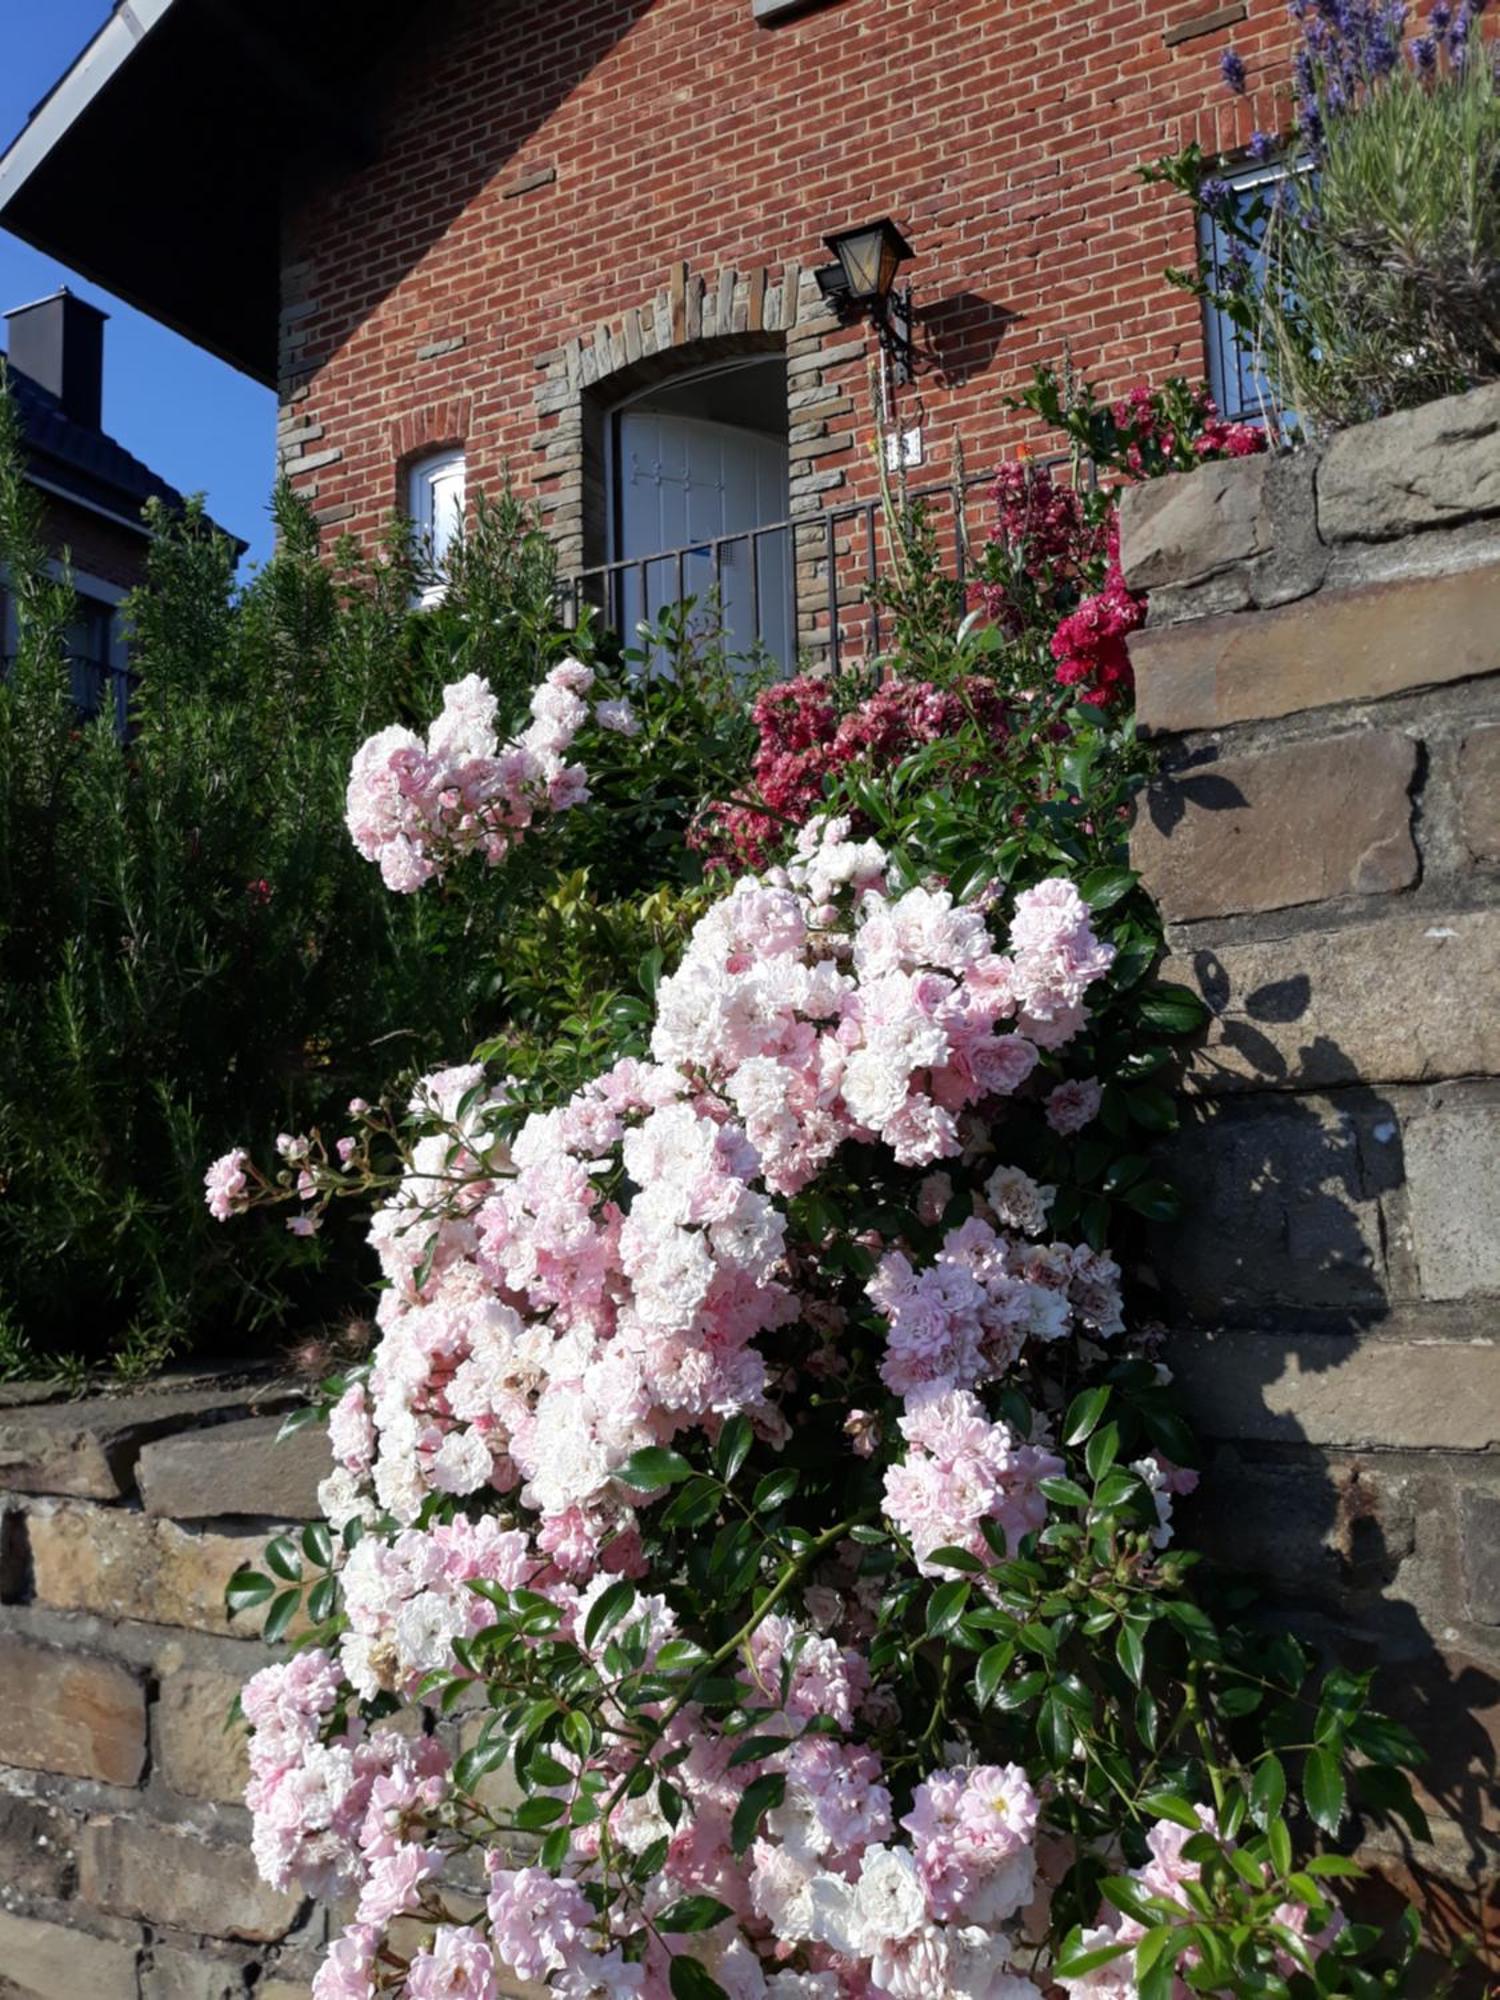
x: 863, y: 281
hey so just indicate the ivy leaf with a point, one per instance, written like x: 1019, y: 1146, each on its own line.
x: 693, y: 1913
x: 652, y: 1468
x: 1323, y: 1789
x: 761, y: 1796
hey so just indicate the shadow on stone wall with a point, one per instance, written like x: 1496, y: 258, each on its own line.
x: 1348, y: 1428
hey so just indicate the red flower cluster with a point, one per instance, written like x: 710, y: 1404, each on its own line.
x: 803, y: 738
x: 1089, y: 645
x: 1152, y: 440
x: 1043, y: 530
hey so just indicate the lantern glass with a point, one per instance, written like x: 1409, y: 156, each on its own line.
x: 871, y: 256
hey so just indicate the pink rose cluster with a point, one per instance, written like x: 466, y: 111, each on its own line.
x: 601, y: 1282
x: 415, y: 807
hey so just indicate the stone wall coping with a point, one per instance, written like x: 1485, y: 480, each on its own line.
x: 88, y: 1449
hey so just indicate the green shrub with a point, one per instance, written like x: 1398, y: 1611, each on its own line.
x: 191, y: 950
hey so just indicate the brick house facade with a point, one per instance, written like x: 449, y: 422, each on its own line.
x: 513, y: 221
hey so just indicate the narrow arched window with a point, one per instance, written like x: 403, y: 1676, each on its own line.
x: 435, y: 490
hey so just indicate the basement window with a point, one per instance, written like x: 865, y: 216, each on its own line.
x: 435, y: 493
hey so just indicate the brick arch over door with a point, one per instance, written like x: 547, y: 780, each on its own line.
x: 695, y: 318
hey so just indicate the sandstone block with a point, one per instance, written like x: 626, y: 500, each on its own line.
x: 1479, y: 1543
x: 1286, y: 1209
x: 70, y: 1712
x: 1337, y: 646
x: 174, y: 1876
x: 1479, y: 791
x: 282, y: 1989
x: 199, y: 1754
x: 1452, y: 1157
x: 180, y: 1975
x: 1387, y: 1002
x: 88, y: 1449
x: 36, y: 1849
x: 1329, y: 1531
x: 1298, y: 823
x: 1192, y: 524
x: 1425, y: 468
x: 46, y: 1962
x: 118, y: 1564
x: 1342, y: 1389
x: 236, y: 1468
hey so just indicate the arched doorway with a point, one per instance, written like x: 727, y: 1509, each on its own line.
x: 696, y: 482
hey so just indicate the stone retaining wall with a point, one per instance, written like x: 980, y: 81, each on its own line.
x: 125, y: 1869
x: 1321, y: 671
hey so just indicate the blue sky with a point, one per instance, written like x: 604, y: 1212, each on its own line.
x: 195, y: 420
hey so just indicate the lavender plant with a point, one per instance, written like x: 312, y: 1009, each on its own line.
x: 1368, y: 278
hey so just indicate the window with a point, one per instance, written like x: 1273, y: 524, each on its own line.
x: 435, y: 490
x: 1238, y: 387
x: 98, y: 653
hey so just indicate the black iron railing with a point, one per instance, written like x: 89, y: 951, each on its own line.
x: 808, y: 584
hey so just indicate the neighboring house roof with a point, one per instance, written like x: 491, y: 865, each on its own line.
x: 82, y: 464
x: 154, y: 166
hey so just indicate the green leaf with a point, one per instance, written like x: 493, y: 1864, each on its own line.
x: 322, y: 1599
x: 555, y: 1850
x: 1279, y: 1845
x: 607, y: 1610
x: 1102, y: 888
x: 775, y: 1490
x: 282, y: 1559
x: 946, y: 1606
x: 652, y: 1468
x: 533, y: 1814
x: 1073, y: 1961
x: 317, y: 1544
x: 245, y: 1588
x: 951, y: 1558
x: 1174, y: 1010
x: 1323, y: 1789
x: 762, y: 1795
x: 693, y: 1913
x: 283, y: 1610
x: 1065, y: 1492
x: 1130, y: 1651
x: 1084, y: 1413
x: 1268, y: 1792
x: 991, y: 1670
x: 1102, y: 1450
x: 733, y: 1447
x: 1172, y: 1806
x: 689, y: 1980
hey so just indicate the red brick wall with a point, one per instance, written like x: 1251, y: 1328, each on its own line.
x: 96, y: 546
x: 542, y: 166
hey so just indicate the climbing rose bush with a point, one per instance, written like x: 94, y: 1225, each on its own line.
x: 699, y: 1602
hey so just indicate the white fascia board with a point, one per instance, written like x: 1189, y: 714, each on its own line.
x: 99, y: 64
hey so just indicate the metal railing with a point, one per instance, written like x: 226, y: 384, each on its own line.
x: 809, y: 584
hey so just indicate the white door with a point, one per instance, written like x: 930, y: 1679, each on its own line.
x: 686, y: 484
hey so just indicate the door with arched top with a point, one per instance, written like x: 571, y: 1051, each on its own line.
x: 699, y: 479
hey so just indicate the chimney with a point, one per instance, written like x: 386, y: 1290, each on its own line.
x: 59, y: 343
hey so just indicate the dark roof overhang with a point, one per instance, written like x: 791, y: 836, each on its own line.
x: 155, y: 166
